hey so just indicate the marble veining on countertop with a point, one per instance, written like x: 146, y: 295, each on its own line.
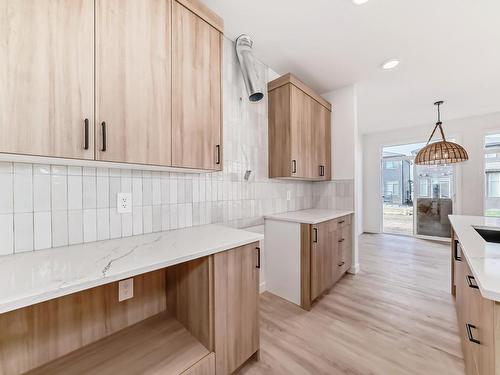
x: 483, y: 257
x: 30, y: 278
x: 310, y: 216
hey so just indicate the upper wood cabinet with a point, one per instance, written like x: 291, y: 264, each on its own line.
x: 196, y: 90
x: 47, y: 78
x: 299, y: 131
x: 154, y: 83
x: 133, y: 54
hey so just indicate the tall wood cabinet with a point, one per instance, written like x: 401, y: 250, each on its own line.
x: 196, y: 91
x: 299, y: 131
x: 46, y: 75
x: 133, y: 81
x: 156, y: 90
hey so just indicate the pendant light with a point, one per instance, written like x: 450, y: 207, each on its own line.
x: 442, y: 152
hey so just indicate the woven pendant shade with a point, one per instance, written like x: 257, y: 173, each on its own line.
x: 442, y: 152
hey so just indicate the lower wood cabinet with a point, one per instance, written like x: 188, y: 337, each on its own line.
x: 196, y: 318
x: 478, y: 320
x: 236, y: 287
x: 304, y: 260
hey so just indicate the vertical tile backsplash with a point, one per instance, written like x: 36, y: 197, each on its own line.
x: 337, y: 194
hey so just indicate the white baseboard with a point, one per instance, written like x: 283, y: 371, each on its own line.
x: 354, y: 269
x: 262, y: 287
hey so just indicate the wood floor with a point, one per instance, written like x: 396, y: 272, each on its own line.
x: 395, y: 317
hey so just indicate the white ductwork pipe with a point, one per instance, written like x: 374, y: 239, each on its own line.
x: 247, y: 64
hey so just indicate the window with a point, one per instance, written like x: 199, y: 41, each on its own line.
x: 392, y: 187
x: 391, y: 164
x: 492, y: 175
x: 493, y: 184
x: 424, y: 188
x: 444, y: 188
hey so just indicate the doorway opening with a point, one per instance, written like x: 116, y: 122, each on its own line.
x: 416, y: 199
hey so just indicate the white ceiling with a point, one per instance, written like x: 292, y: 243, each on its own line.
x: 449, y: 49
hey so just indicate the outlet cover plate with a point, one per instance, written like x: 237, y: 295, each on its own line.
x: 124, y: 203
x: 125, y: 290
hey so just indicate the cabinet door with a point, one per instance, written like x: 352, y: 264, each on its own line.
x: 321, y: 140
x: 301, y: 150
x: 324, y: 249
x: 346, y: 246
x: 133, y: 81
x: 46, y: 75
x: 196, y: 92
x: 236, y: 299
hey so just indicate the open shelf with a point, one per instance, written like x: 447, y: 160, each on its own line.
x: 156, y: 345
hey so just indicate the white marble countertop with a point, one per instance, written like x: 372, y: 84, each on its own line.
x: 30, y: 278
x: 310, y: 216
x: 483, y: 257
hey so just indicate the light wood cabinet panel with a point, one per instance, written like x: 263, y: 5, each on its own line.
x: 46, y: 75
x: 236, y: 300
x: 301, y: 127
x: 196, y: 92
x: 324, y: 257
x: 299, y: 131
x: 133, y: 91
x: 206, y: 366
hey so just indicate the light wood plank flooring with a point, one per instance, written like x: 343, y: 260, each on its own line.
x: 394, y: 317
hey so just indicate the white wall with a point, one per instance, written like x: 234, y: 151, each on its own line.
x: 469, y: 132
x: 344, y: 128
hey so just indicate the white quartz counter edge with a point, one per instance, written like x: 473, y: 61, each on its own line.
x: 310, y: 216
x: 30, y: 278
x: 482, y: 257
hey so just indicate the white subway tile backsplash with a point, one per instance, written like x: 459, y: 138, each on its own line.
x: 137, y: 220
x: 102, y: 224
x: 41, y: 192
x: 23, y: 197
x: 89, y: 225
x: 23, y: 232
x: 137, y: 191
x: 89, y: 191
x: 75, y: 226
x: 6, y: 193
x: 59, y: 228
x: 157, y: 218
x: 115, y: 223
x: 147, y: 219
x: 127, y: 225
x: 42, y: 230
x: 75, y: 193
x: 22, y: 168
x: 103, y: 192
x: 6, y: 233
x: 5, y: 167
x: 59, y: 192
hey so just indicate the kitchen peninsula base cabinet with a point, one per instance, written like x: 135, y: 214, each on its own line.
x: 474, y: 283
x: 198, y: 317
x: 307, y: 252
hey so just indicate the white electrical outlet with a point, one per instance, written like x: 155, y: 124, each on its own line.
x: 288, y: 195
x: 125, y: 289
x: 124, y: 203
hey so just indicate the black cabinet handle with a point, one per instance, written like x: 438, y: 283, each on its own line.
x: 86, y: 134
x: 469, y: 327
x: 294, y: 166
x: 341, y: 222
x: 455, y: 250
x: 258, y: 257
x: 321, y: 170
x: 103, y: 127
x: 341, y: 240
x: 217, y: 160
x: 340, y: 264
x: 471, y: 281
x: 315, y: 239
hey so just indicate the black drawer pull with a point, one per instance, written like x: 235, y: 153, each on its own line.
x: 455, y: 255
x: 258, y: 257
x: 103, y: 127
x: 340, y: 264
x: 315, y: 239
x: 294, y: 166
x: 341, y: 222
x: 321, y: 170
x: 341, y: 240
x: 86, y: 134
x: 469, y: 327
x: 217, y: 160
x: 471, y: 281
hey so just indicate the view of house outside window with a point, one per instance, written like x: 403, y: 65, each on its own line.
x: 492, y: 175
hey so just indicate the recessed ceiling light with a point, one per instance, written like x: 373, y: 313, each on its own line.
x: 390, y: 64
x: 359, y: 2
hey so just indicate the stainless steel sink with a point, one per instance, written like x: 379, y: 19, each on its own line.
x: 489, y: 235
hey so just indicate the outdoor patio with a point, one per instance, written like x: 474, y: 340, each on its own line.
x: 398, y: 219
